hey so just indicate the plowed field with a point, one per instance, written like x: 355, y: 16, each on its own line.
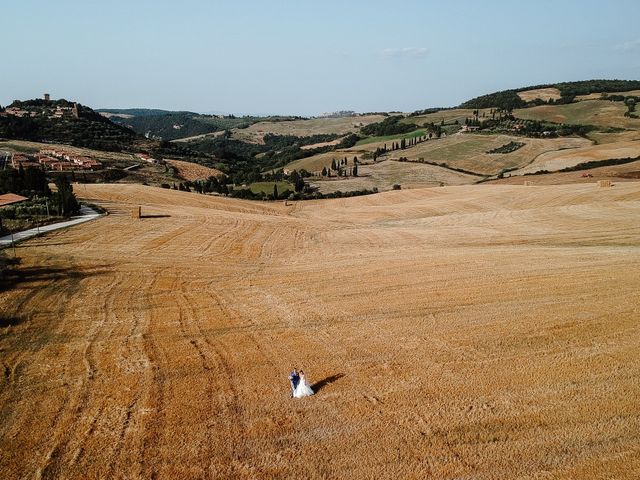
x: 486, y: 331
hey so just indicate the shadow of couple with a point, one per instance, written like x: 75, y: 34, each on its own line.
x: 316, y: 387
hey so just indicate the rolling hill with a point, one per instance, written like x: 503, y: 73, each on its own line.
x: 174, y: 125
x: 540, y: 119
x: 566, y: 91
x: 483, y: 331
x: 59, y: 121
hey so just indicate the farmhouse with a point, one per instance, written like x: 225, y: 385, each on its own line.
x: 46, y: 160
x: 11, y: 199
x: 61, y: 160
x: 63, y: 166
x: 19, y: 160
x: 87, y: 163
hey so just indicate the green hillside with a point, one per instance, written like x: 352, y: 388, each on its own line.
x: 55, y: 121
x: 166, y: 125
x: 136, y: 112
x: 509, y: 99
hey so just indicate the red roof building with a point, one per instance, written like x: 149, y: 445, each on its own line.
x: 10, y: 199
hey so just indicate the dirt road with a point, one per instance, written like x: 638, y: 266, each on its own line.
x: 462, y: 332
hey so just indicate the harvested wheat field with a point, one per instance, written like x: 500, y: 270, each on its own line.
x: 460, y: 332
x: 448, y: 116
x: 304, y: 128
x: 22, y: 146
x: 192, y: 171
x: 557, y: 160
x: 545, y: 94
x: 626, y: 172
x: 589, y: 112
x: 383, y: 175
x: 598, y: 95
x: 470, y: 152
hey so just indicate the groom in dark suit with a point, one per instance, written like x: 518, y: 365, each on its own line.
x: 294, y: 378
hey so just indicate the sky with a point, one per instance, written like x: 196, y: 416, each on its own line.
x: 306, y: 57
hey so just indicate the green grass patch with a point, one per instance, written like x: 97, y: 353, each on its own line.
x: 414, y: 134
x: 18, y: 147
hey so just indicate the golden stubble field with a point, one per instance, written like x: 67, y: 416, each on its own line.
x: 304, y: 128
x: 559, y: 159
x: 482, y: 331
x: 470, y: 152
x: 193, y: 171
x: 545, y: 94
x: 384, y: 174
x: 603, y: 113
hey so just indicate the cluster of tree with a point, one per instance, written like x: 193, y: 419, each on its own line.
x: 631, y: 107
x: 435, y: 130
x: 40, y: 103
x: 506, y: 100
x: 569, y: 90
x: 281, y: 141
x: 389, y: 126
x: 244, y: 161
x: 591, y: 164
x: 348, y: 141
x: 428, y: 111
x: 505, y: 122
x: 24, y: 181
x: 64, y: 199
x: 211, y: 185
x: 248, y: 194
x: 307, y: 194
x: 535, y: 128
x: 507, y: 148
x: 600, y: 163
x: 294, y: 177
x: 90, y: 131
x: 620, y: 98
x: 339, y: 194
x: 406, y: 143
x: 341, y: 168
x: 32, y: 183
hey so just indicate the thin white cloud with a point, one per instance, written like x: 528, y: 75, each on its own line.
x: 630, y: 46
x: 406, y: 52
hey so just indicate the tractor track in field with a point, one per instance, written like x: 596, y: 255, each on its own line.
x: 485, y: 331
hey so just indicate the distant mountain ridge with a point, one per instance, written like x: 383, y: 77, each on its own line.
x: 139, y: 112
x: 172, y: 125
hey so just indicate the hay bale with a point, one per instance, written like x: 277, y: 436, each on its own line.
x: 527, y: 183
x: 136, y: 212
x: 604, y: 183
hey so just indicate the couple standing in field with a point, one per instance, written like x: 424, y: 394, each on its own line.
x: 299, y: 386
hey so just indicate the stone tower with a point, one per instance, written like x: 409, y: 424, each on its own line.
x: 46, y: 97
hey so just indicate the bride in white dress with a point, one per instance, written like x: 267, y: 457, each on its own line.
x: 303, y: 389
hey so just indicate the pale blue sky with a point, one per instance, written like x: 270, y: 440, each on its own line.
x: 306, y: 57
